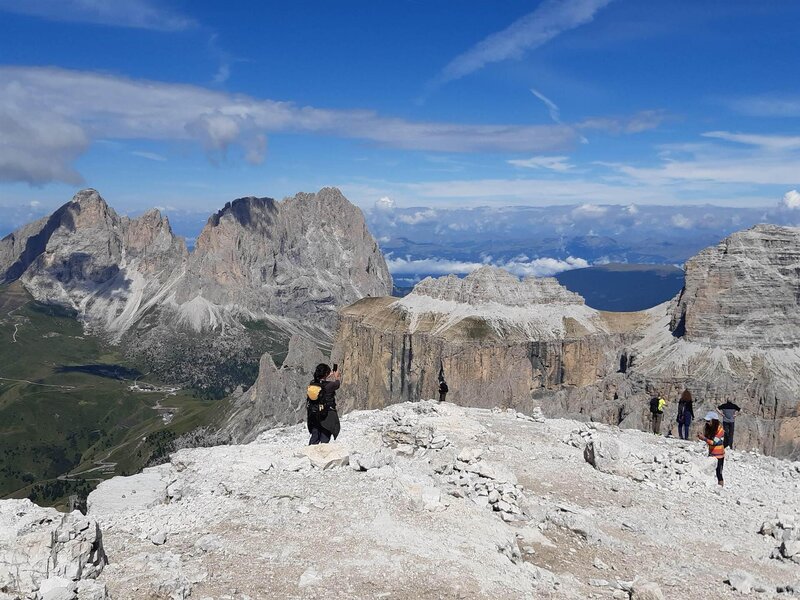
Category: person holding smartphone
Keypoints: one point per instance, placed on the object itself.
(322, 416)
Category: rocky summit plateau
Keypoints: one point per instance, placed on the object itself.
(423, 500)
(261, 271)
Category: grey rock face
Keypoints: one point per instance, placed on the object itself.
(109, 269)
(278, 397)
(42, 550)
(492, 353)
(285, 266)
(301, 258)
(490, 284)
(524, 349)
(743, 292)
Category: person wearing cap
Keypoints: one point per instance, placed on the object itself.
(714, 436)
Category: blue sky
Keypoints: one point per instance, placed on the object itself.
(186, 105)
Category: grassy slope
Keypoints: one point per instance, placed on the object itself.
(55, 423)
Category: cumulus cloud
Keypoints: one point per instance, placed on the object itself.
(681, 222)
(791, 199)
(62, 118)
(552, 163)
(385, 204)
(589, 211)
(418, 217)
(520, 266)
(140, 14)
(550, 19)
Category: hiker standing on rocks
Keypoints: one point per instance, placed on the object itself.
(657, 404)
(714, 435)
(685, 414)
(323, 419)
(729, 412)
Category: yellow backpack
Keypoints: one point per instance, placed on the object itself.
(314, 392)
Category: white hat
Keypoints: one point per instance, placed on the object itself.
(712, 416)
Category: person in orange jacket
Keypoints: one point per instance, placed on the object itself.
(714, 436)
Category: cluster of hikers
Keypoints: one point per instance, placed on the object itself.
(717, 432)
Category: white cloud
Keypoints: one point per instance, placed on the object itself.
(681, 222)
(539, 267)
(642, 121)
(590, 211)
(553, 163)
(552, 107)
(47, 120)
(550, 19)
(791, 199)
(768, 142)
(149, 155)
(418, 217)
(385, 204)
(140, 14)
(632, 209)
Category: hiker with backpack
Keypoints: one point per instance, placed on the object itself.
(657, 404)
(323, 418)
(685, 414)
(714, 436)
(443, 389)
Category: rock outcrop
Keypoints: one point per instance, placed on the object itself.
(261, 271)
(278, 396)
(498, 340)
(46, 554)
(441, 501)
(732, 334)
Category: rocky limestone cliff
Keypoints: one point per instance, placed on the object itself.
(744, 292)
(278, 396)
(574, 361)
(109, 269)
(261, 272)
(301, 258)
(499, 340)
(426, 501)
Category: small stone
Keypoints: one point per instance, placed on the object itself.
(598, 583)
(159, 538)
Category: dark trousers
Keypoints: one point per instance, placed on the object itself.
(683, 428)
(728, 427)
(720, 464)
(442, 396)
(319, 435)
(657, 418)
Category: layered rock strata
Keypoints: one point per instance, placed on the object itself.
(498, 340)
(732, 334)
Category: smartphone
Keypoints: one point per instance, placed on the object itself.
(335, 367)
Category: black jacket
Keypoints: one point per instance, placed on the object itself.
(329, 417)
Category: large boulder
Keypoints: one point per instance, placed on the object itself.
(44, 551)
(327, 456)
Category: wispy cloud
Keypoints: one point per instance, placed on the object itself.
(767, 105)
(149, 155)
(768, 142)
(549, 20)
(552, 163)
(140, 14)
(552, 107)
(641, 121)
(47, 120)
